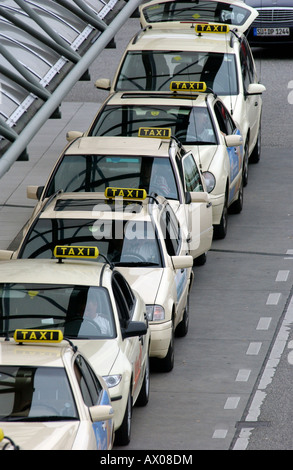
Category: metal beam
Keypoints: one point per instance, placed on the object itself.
(73, 76)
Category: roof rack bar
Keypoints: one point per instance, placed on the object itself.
(24, 72)
(30, 12)
(24, 83)
(7, 132)
(84, 13)
(67, 52)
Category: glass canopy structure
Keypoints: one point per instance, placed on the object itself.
(41, 42)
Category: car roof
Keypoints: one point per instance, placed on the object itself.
(159, 98)
(38, 355)
(51, 271)
(71, 202)
(168, 39)
(197, 17)
(137, 146)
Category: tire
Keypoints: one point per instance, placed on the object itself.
(237, 206)
(182, 328)
(167, 363)
(144, 394)
(255, 154)
(123, 434)
(200, 260)
(220, 231)
(245, 165)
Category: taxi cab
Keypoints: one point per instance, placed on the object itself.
(94, 307)
(51, 399)
(201, 121)
(156, 162)
(198, 50)
(139, 235)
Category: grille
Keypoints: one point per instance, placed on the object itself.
(274, 15)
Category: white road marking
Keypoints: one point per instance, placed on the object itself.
(273, 298)
(282, 276)
(253, 348)
(264, 323)
(243, 375)
(231, 403)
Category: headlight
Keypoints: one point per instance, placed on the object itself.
(210, 180)
(155, 312)
(112, 380)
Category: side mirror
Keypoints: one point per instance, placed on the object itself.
(101, 413)
(233, 140)
(34, 192)
(72, 135)
(182, 262)
(255, 89)
(5, 255)
(135, 328)
(103, 84)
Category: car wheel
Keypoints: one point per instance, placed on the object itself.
(143, 397)
(182, 328)
(122, 435)
(237, 206)
(200, 260)
(255, 154)
(245, 165)
(167, 363)
(220, 231)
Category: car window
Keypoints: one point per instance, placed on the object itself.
(226, 124)
(35, 393)
(171, 230)
(96, 172)
(247, 64)
(184, 121)
(124, 300)
(78, 311)
(191, 173)
(189, 11)
(90, 386)
(154, 70)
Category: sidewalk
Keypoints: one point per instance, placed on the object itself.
(44, 149)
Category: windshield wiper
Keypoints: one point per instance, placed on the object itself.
(136, 263)
(39, 418)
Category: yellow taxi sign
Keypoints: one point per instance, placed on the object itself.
(125, 193)
(38, 336)
(1, 435)
(157, 132)
(85, 252)
(212, 28)
(178, 85)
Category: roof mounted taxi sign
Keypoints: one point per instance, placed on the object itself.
(38, 336)
(84, 252)
(157, 132)
(125, 193)
(178, 85)
(212, 28)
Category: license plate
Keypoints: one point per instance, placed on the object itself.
(271, 31)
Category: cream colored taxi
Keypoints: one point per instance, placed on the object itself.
(51, 399)
(94, 307)
(201, 121)
(195, 49)
(141, 237)
(155, 162)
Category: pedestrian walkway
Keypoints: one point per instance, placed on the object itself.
(44, 149)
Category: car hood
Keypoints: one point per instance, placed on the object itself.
(41, 436)
(145, 281)
(203, 154)
(102, 354)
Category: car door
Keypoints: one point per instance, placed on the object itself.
(228, 127)
(252, 102)
(171, 229)
(135, 348)
(198, 208)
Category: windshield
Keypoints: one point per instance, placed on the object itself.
(78, 311)
(79, 173)
(154, 70)
(34, 393)
(214, 12)
(191, 125)
(120, 241)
